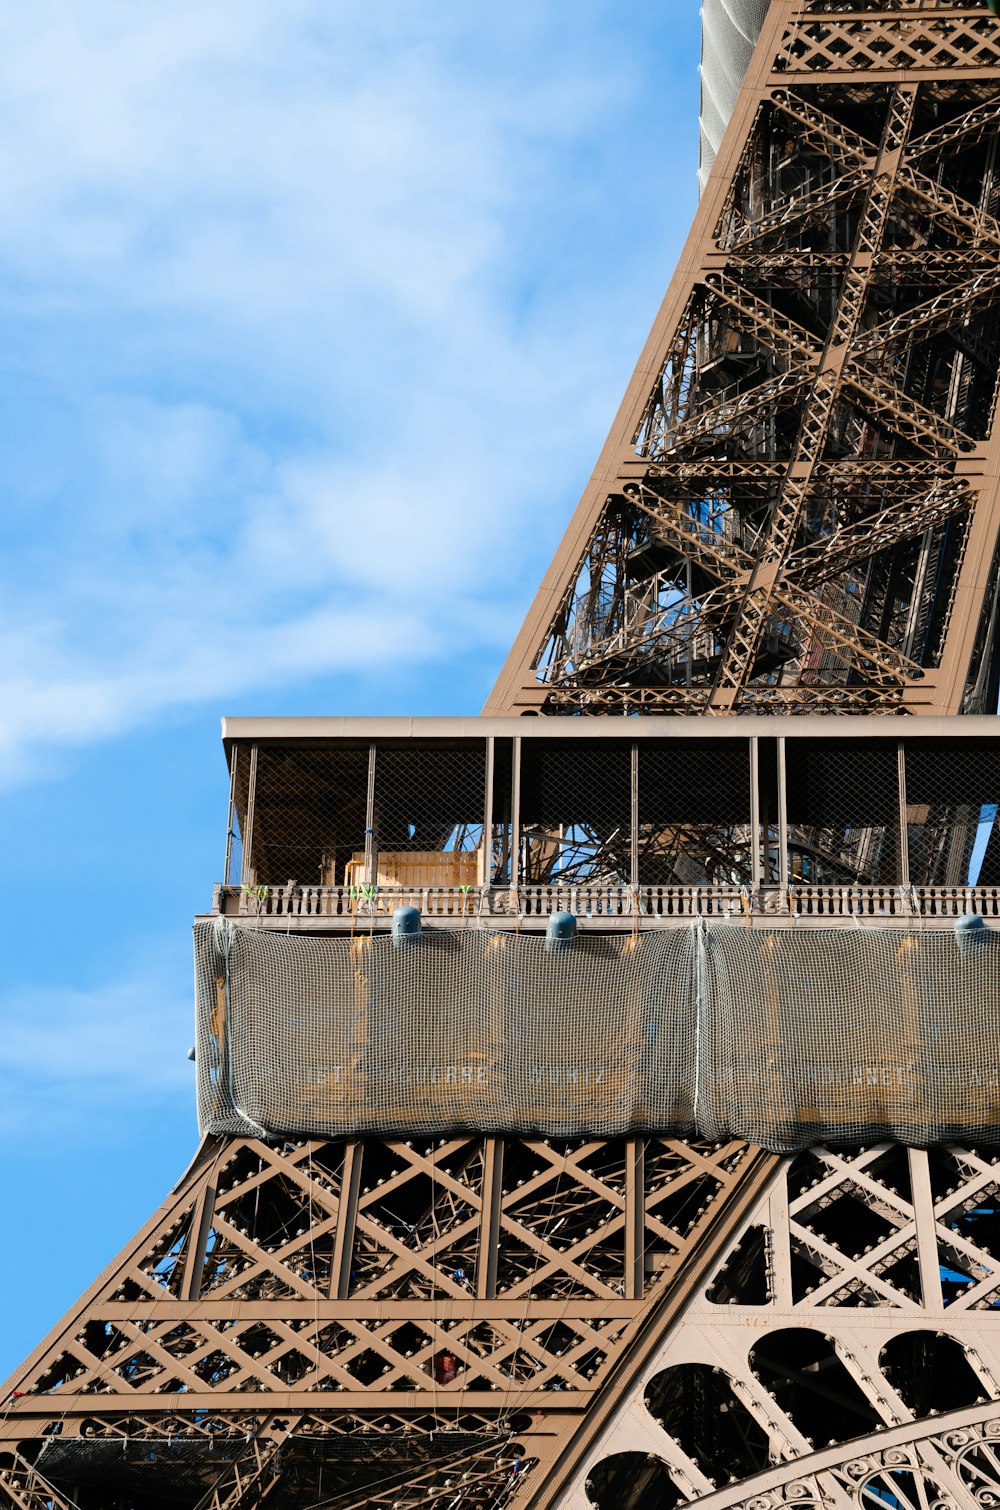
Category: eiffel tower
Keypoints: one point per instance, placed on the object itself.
(795, 513)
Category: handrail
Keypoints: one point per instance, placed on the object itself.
(605, 901)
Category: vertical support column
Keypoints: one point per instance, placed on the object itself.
(756, 867)
(370, 819)
(515, 814)
(903, 846)
(489, 1219)
(782, 817)
(486, 864)
(246, 871)
(231, 816)
(928, 1262)
(347, 1218)
(201, 1226)
(780, 1248)
(634, 819)
(635, 1217)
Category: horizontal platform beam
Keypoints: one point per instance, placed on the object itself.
(653, 726)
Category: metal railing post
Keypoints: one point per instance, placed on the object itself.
(515, 813)
(782, 817)
(903, 846)
(231, 817)
(486, 875)
(370, 818)
(634, 819)
(246, 871)
(756, 868)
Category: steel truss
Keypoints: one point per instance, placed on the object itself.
(483, 1322)
(367, 1323)
(845, 1352)
(787, 516)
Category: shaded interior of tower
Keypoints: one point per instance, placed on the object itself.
(736, 424)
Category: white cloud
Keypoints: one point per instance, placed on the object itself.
(299, 336)
(90, 1058)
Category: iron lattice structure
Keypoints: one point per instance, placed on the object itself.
(369, 1323)
(796, 507)
(795, 511)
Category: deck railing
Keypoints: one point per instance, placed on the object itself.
(607, 904)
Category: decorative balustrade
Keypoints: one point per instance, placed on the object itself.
(606, 906)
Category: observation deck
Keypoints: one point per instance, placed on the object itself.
(771, 928)
(628, 824)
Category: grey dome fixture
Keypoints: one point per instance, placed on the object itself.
(560, 931)
(406, 927)
(970, 933)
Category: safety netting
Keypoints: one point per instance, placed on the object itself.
(783, 1037)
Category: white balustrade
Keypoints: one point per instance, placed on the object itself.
(608, 903)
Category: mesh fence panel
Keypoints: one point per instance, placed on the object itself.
(238, 784)
(843, 812)
(308, 814)
(466, 1030)
(500, 857)
(693, 830)
(429, 810)
(783, 1038)
(951, 809)
(575, 811)
(614, 812)
(849, 1033)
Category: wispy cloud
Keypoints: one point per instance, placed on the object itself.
(91, 1059)
(299, 335)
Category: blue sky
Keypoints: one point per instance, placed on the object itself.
(315, 316)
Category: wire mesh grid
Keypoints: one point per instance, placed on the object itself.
(693, 813)
(309, 813)
(312, 825)
(575, 812)
(428, 815)
(781, 1038)
(239, 779)
(842, 809)
(952, 792)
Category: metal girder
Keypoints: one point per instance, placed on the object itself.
(734, 415)
(744, 639)
(835, 306)
(822, 559)
(942, 312)
(832, 137)
(977, 124)
(903, 415)
(501, 1287)
(797, 212)
(782, 337)
(846, 1352)
(727, 560)
(27, 1489)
